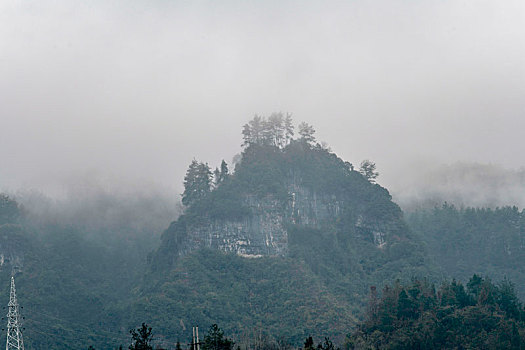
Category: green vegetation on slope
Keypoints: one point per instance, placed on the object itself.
(490, 242)
(319, 288)
(69, 283)
(85, 282)
(277, 296)
(416, 316)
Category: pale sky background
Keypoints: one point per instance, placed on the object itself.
(128, 92)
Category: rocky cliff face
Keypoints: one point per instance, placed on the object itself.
(311, 209)
(264, 231)
(274, 191)
(261, 233)
(312, 212)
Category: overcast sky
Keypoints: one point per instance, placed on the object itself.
(131, 91)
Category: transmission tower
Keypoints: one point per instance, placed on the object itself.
(14, 335)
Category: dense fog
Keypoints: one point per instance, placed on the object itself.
(462, 184)
(131, 92)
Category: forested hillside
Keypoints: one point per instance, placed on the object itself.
(483, 315)
(467, 241)
(282, 245)
(72, 277)
(338, 233)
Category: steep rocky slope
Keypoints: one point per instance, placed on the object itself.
(287, 245)
(251, 213)
(303, 216)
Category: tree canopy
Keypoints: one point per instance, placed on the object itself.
(197, 182)
(9, 210)
(416, 316)
(307, 133)
(276, 130)
(141, 338)
(215, 340)
(368, 170)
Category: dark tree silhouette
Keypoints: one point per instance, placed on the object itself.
(215, 340)
(368, 170)
(276, 130)
(307, 133)
(222, 174)
(141, 338)
(309, 344)
(197, 183)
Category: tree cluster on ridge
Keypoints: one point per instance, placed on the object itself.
(276, 131)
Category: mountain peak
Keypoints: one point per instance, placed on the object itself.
(280, 185)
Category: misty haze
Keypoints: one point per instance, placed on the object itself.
(282, 175)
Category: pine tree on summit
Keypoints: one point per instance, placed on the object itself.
(197, 182)
(288, 128)
(307, 133)
(224, 170)
(221, 175)
(276, 130)
(253, 132)
(368, 170)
